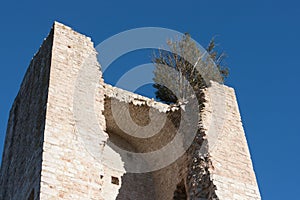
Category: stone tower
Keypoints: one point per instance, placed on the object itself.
(47, 155)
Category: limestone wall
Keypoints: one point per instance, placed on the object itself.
(232, 171)
(158, 184)
(22, 157)
(68, 169)
(62, 128)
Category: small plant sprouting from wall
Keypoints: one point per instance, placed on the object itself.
(186, 58)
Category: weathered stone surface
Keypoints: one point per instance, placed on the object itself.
(22, 156)
(62, 127)
(232, 171)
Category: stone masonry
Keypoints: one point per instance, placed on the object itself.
(52, 151)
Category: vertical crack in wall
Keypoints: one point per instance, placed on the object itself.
(199, 181)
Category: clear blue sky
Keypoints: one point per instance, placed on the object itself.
(261, 38)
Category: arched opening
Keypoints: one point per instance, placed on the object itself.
(180, 192)
(159, 184)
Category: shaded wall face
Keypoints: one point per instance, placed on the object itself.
(129, 185)
(22, 157)
(160, 184)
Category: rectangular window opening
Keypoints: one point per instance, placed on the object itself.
(115, 180)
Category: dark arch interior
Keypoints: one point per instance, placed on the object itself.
(180, 192)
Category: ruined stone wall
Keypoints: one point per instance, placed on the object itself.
(232, 171)
(22, 157)
(62, 127)
(68, 169)
(163, 182)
